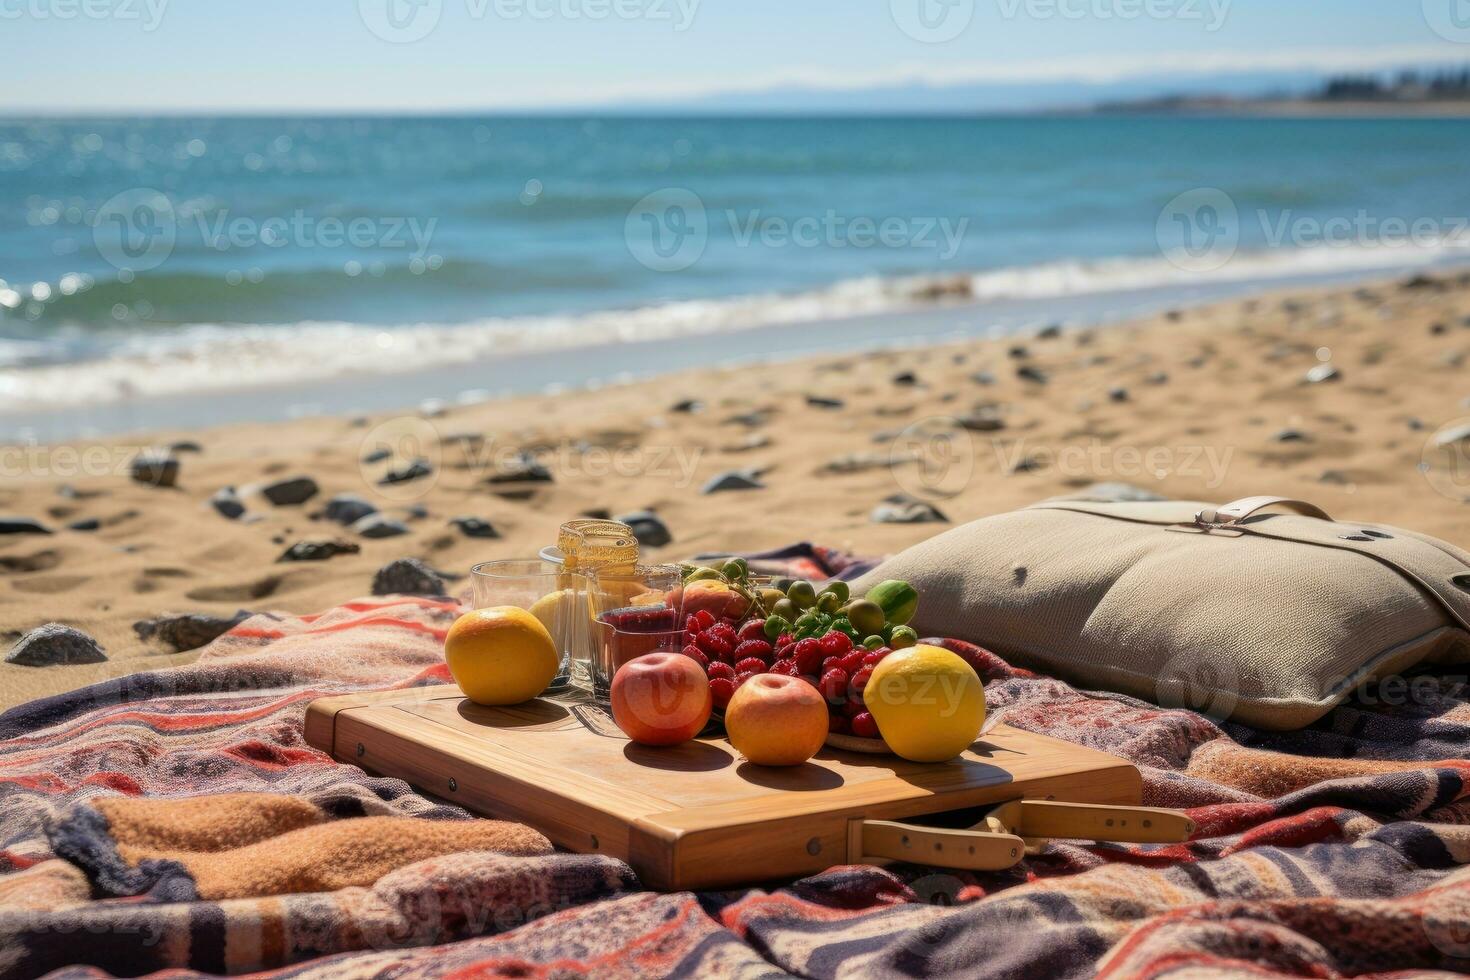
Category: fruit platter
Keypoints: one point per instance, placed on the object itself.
(792, 664)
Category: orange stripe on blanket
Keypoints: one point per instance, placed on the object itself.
(256, 633)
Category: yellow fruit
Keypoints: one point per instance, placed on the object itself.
(928, 703)
(555, 610)
(502, 655)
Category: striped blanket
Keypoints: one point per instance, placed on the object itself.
(1336, 851)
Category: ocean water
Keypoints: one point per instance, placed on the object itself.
(155, 257)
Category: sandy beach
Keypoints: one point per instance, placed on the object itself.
(1211, 403)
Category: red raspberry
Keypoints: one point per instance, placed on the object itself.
(691, 625)
(722, 689)
(852, 662)
(739, 681)
(831, 663)
(706, 619)
(725, 632)
(854, 708)
(785, 640)
(750, 665)
(787, 667)
(836, 644)
(872, 659)
(759, 649)
(837, 725)
(864, 726)
(787, 652)
(754, 629)
(697, 655)
(720, 669)
(717, 647)
(834, 686)
(860, 681)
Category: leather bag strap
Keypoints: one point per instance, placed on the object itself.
(1239, 510)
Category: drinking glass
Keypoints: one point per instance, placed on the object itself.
(554, 595)
(636, 609)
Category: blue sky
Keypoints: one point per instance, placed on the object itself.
(141, 55)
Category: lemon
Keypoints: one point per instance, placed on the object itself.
(555, 610)
(928, 703)
(502, 655)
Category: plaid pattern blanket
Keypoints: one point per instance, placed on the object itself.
(1337, 851)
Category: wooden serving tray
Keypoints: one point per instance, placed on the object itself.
(694, 816)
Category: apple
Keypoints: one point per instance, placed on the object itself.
(776, 720)
(661, 699)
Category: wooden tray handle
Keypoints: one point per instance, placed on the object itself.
(967, 850)
(1044, 819)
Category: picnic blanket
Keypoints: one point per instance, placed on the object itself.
(178, 820)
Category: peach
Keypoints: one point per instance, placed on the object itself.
(776, 720)
(661, 699)
(722, 601)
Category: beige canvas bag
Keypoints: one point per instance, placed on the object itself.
(1239, 611)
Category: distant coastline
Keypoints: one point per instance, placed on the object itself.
(1443, 93)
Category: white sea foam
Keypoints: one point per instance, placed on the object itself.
(40, 374)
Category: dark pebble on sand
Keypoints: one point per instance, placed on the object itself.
(155, 470)
(379, 526)
(407, 576)
(296, 490)
(377, 456)
(318, 550)
(906, 379)
(733, 480)
(1118, 394)
(185, 446)
(474, 527)
(227, 502)
(983, 378)
(416, 470)
(687, 406)
(85, 524)
(22, 525)
(821, 401)
(650, 531)
(1291, 435)
(188, 631)
(54, 644)
(348, 508)
(525, 469)
(981, 422)
(903, 509)
(1032, 374)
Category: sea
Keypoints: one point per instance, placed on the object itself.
(161, 270)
